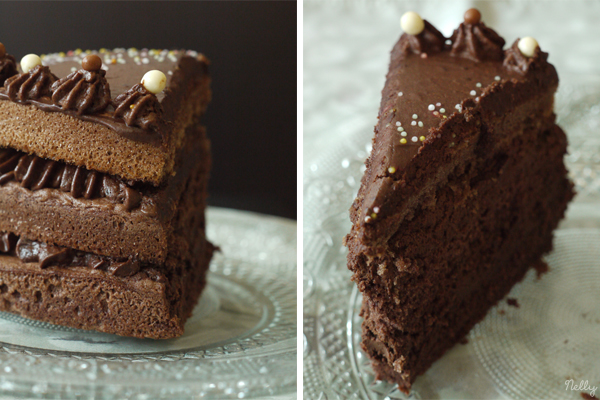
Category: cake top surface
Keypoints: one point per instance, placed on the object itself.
(134, 92)
(433, 80)
(124, 67)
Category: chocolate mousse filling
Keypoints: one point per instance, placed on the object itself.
(48, 255)
(35, 173)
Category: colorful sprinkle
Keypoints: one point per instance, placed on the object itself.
(422, 138)
(373, 216)
(403, 141)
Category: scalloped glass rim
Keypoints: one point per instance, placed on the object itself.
(259, 257)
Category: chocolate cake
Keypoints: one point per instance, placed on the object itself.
(104, 168)
(461, 193)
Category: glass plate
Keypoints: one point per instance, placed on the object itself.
(239, 343)
(514, 353)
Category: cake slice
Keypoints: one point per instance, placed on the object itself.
(46, 110)
(103, 194)
(462, 190)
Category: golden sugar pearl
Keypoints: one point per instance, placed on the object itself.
(154, 81)
(29, 62)
(391, 170)
(422, 138)
(403, 141)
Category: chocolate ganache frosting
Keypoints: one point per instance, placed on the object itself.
(430, 40)
(8, 65)
(138, 107)
(47, 255)
(31, 85)
(475, 41)
(37, 173)
(515, 61)
(86, 90)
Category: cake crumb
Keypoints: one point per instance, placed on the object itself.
(540, 268)
(512, 302)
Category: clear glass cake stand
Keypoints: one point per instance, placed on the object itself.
(239, 343)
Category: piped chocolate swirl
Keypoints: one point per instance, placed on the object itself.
(87, 91)
(31, 85)
(8, 65)
(48, 255)
(35, 173)
(138, 107)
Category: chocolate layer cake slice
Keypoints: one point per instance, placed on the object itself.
(103, 193)
(462, 190)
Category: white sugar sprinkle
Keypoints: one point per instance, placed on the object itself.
(478, 84)
(473, 93)
(477, 99)
(403, 134)
(400, 129)
(431, 107)
(414, 138)
(375, 210)
(415, 116)
(413, 123)
(438, 104)
(398, 123)
(420, 124)
(497, 78)
(442, 110)
(458, 107)
(400, 94)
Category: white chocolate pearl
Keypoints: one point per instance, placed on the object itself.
(154, 81)
(29, 62)
(412, 23)
(527, 46)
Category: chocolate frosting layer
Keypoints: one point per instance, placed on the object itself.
(32, 85)
(8, 67)
(84, 91)
(430, 40)
(139, 107)
(47, 255)
(477, 42)
(37, 173)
